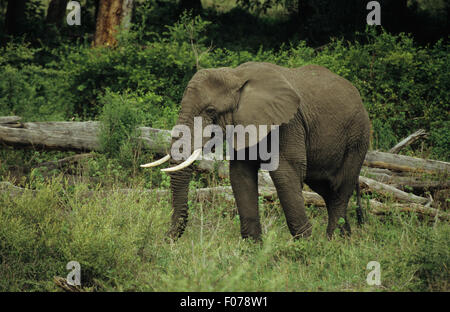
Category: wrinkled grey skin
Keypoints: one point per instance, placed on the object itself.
(324, 137)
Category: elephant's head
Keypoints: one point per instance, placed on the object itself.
(251, 94)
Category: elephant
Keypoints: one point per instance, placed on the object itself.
(323, 129)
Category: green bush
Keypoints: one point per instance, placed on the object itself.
(119, 121)
(30, 90)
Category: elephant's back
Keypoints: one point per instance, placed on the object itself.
(324, 92)
(334, 113)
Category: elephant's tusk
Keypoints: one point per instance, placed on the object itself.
(156, 163)
(186, 163)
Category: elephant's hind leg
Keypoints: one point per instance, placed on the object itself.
(288, 183)
(339, 195)
(337, 213)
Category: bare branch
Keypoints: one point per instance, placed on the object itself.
(408, 141)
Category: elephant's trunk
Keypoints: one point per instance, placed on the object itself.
(179, 185)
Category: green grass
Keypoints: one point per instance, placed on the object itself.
(119, 240)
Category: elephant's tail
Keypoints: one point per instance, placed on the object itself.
(359, 210)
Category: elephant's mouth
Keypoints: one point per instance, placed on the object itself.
(193, 157)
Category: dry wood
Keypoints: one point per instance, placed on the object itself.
(407, 183)
(9, 119)
(66, 135)
(75, 135)
(377, 170)
(378, 208)
(11, 189)
(58, 164)
(63, 284)
(408, 141)
(201, 194)
(390, 190)
(418, 186)
(404, 163)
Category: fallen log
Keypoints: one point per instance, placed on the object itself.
(66, 135)
(11, 189)
(408, 141)
(84, 136)
(395, 162)
(389, 190)
(379, 176)
(267, 192)
(417, 186)
(59, 164)
(75, 135)
(407, 183)
(378, 208)
(9, 119)
(377, 170)
(226, 193)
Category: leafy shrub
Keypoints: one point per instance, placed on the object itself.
(119, 121)
(30, 90)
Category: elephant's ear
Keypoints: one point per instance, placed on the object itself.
(267, 98)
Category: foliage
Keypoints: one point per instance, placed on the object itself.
(433, 258)
(118, 239)
(30, 90)
(119, 121)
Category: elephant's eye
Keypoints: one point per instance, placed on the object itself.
(211, 111)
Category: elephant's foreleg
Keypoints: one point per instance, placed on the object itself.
(244, 181)
(288, 183)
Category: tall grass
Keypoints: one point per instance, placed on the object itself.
(119, 240)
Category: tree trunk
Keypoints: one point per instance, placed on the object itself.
(56, 12)
(111, 15)
(15, 17)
